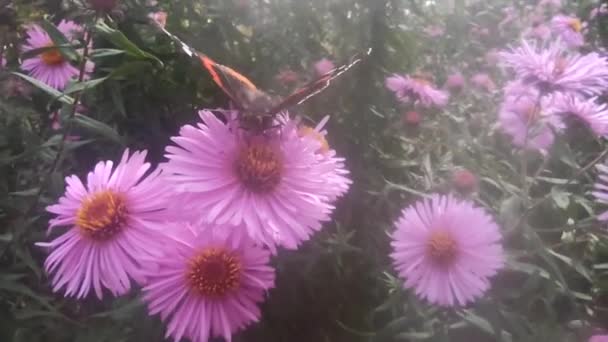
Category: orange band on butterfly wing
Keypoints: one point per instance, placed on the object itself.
(210, 65)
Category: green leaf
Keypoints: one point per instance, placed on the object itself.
(117, 98)
(561, 198)
(414, 336)
(577, 266)
(60, 40)
(25, 193)
(81, 86)
(56, 94)
(126, 70)
(97, 127)
(101, 53)
(121, 41)
(9, 283)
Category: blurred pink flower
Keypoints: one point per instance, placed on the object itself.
(552, 68)
(510, 14)
(483, 81)
(411, 118)
(50, 66)
(2, 62)
(464, 181)
(455, 81)
(56, 125)
(525, 120)
(594, 115)
(434, 31)
(417, 90)
(160, 17)
(446, 249)
(599, 338)
(538, 31)
(598, 11)
(568, 29)
(323, 66)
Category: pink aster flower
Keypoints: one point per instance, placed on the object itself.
(568, 29)
(553, 69)
(160, 17)
(454, 82)
(588, 111)
(598, 11)
(510, 15)
(206, 285)
(483, 81)
(50, 66)
(338, 182)
(539, 31)
(446, 250)
(524, 119)
(280, 186)
(417, 90)
(434, 31)
(113, 222)
(598, 338)
(323, 66)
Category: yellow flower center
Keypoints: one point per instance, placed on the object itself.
(259, 167)
(575, 25)
(441, 247)
(51, 56)
(311, 132)
(214, 272)
(102, 215)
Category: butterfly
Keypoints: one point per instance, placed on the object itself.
(257, 108)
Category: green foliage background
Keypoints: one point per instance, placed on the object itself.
(339, 286)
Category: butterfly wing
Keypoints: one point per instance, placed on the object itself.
(318, 85)
(238, 87)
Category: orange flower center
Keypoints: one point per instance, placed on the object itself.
(441, 247)
(214, 272)
(422, 81)
(102, 215)
(51, 56)
(259, 167)
(575, 25)
(311, 132)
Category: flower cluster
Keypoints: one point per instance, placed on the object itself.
(553, 86)
(198, 231)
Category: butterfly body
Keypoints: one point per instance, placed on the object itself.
(257, 109)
